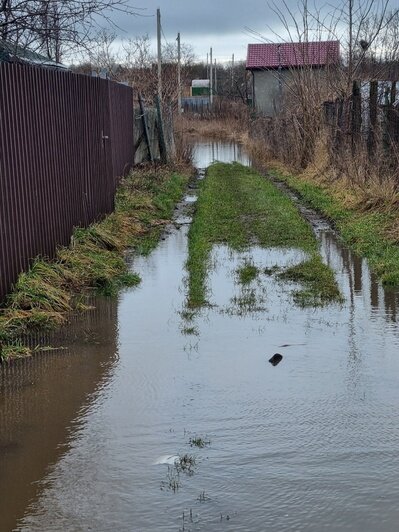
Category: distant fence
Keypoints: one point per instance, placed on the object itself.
(196, 104)
(370, 118)
(64, 140)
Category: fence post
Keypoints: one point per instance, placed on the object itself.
(162, 143)
(393, 116)
(339, 113)
(145, 127)
(356, 113)
(373, 106)
(393, 92)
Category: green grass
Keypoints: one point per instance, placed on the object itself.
(247, 273)
(13, 349)
(199, 441)
(44, 295)
(363, 232)
(238, 207)
(317, 279)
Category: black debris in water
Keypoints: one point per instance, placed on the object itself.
(276, 359)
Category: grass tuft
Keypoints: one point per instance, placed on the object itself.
(319, 284)
(199, 441)
(247, 273)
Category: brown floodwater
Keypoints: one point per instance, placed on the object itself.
(89, 435)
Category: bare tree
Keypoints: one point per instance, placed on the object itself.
(55, 27)
(102, 56)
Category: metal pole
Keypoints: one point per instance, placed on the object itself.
(216, 78)
(232, 72)
(178, 74)
(159, 55)
(211, 78)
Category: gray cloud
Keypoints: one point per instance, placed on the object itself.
(219, 23)
(222, 24)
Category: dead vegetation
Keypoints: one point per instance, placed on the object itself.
(231, 122)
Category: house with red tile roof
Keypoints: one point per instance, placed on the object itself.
(274, 64)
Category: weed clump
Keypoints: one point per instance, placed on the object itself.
(198, 441)
(247, 273)
(186, 464)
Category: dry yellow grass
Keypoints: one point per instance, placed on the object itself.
(227, 128)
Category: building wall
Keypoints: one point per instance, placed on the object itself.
(270, 86)
(268, 93)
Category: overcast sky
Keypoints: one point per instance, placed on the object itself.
(229, 25)
(222, 24)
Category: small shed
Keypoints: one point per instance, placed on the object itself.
(272, 65)
(200, 87)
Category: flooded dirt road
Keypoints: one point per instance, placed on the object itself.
(89, 436)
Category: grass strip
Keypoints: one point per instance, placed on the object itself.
(365, 232)
(238, 207)
(44, 295)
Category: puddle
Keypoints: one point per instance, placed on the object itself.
(207, 152)
(308, 445)
(190, 199)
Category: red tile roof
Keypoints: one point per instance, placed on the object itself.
(273, 55)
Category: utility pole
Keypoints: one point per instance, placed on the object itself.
(162, 142)
(232, 73)
(211, 78)
(178, 74)
(350, 65)
(216, 78)
(159, 55)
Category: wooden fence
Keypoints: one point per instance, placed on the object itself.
(64, 140)
(368, 119)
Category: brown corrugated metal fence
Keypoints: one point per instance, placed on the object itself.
(64, 140)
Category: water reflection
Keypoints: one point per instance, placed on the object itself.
(43, 401)
(207, 152)
(358, 282)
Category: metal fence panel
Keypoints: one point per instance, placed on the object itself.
(64, 141)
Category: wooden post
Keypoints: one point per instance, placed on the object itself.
(161, 133)
(373, 102)
(339, 113)
(393, 92)
(356, 113)
(178, 74)
(145, 127)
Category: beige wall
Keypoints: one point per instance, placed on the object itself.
(267, 90)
